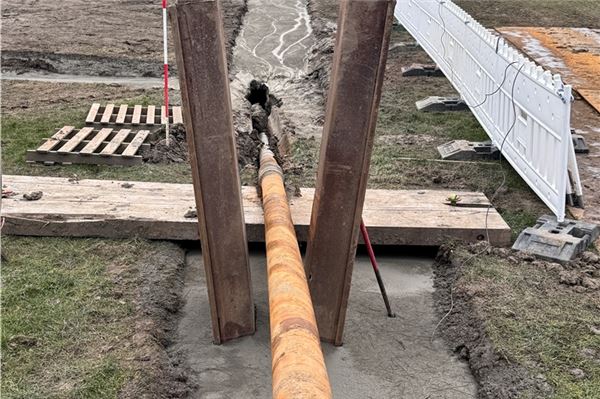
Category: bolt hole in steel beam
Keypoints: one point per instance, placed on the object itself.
(358, 67)
(203, 76)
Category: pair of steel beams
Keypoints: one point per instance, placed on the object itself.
(351, 113)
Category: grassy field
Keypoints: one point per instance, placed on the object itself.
(536, 322)
(62, 317)
(79, 319)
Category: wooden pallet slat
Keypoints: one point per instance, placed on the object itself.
(163, 115)
(151, 115)
(96, 141)
(91, 117)
(135, 144)
(115, 142)
(122, 114)
(137, 115)
(55, 139)
(54, 157)
(133, 115)
(75, 140)
(177, 116)
(108, 111)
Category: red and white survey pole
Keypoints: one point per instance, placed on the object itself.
(166, 68)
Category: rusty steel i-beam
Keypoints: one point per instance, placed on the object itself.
(359, 64)
(201, 61)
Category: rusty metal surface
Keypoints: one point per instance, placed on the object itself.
(298, 365)
(359, 63)
(204, 82)
(572, 52)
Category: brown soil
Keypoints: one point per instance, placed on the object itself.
(156, 282)
(38, 97)
(175, 152)
(463, 324)
(115, 38)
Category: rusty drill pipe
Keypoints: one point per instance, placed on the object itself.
(298, 365)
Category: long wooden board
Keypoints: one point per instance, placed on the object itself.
(105, 208)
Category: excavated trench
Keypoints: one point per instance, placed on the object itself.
(274, 91)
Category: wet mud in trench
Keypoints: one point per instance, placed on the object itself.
(274, 46)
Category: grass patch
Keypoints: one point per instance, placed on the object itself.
(64, 318)
(536, 322)
(22, 132)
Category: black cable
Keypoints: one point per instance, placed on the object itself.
(505, 73)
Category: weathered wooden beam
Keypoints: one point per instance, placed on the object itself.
(358, 67)
(203, 78)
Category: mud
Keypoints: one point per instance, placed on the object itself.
(463, 325)
(157, 283)
(175, 152)
(113, 39)
(464, 330)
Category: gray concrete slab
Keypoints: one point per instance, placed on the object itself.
(381, 357)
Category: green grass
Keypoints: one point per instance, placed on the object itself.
(25, 131)
(63, 318)
(534, 321)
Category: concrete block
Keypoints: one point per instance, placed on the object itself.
(579, 143)
(441, 104)
(559, 242)
(422, 70)
(463, 150)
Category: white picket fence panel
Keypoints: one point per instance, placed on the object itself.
(532, 127)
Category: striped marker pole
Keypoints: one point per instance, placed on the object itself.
(166, 68)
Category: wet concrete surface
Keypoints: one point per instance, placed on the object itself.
(381, 358)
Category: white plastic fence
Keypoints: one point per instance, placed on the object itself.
(524, 109)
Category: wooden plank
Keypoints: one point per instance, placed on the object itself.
(135, 144)
(348, 134)
(150, 115)
(55, 139)
(108, 111)
(202, 68)
(53, 157)
(163, 115)
(122, 114)
(91, 116)
(137, 114)
(96, 141)
(115, 142)
(177, 116)
(103, 208)
(75, 140)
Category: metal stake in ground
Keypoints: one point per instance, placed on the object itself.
(166, 68)
(204, 81)
(365, 236)
(357, 76)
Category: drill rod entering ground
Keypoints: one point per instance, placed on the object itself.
(298, 365)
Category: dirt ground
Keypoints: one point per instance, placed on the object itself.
(502, 359)
(510, 316)
(114, 38)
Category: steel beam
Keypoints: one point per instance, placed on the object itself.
(201, 61)
(358, 67)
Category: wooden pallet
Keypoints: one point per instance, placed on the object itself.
(134, 115)
(107, 208)
(105, 146)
